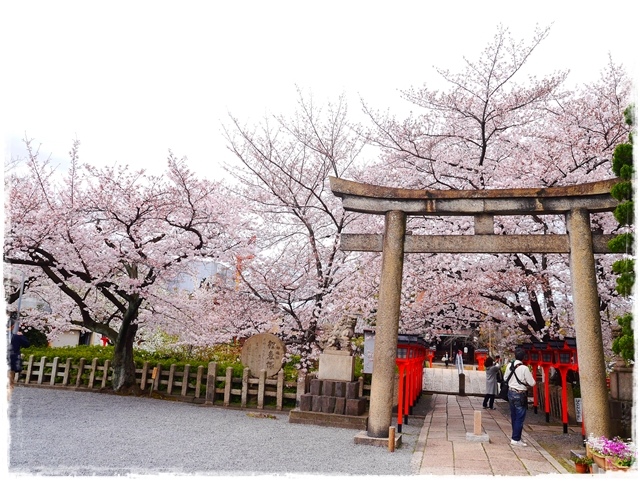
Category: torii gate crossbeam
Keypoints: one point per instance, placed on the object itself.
(575, 203)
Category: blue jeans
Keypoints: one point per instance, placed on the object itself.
(518, 408)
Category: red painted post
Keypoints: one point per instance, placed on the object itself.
(565, 414)
(400, 392)
(565, 360)
(410, 384)
(535, 361)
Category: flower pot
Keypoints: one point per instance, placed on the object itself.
(599, 460)
(614, 467)
(582, 468)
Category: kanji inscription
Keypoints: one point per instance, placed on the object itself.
(263, 351)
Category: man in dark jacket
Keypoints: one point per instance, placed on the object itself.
(16, 342)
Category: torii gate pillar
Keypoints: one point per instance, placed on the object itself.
(588, 326)
(385, 348)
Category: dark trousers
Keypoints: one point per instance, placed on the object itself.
(518, 408)
(488, 400)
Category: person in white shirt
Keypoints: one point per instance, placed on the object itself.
(459, 363)
(519, 378)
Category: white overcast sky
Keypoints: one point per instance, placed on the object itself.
(133, 79)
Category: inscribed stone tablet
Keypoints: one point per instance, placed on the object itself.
(263, 351)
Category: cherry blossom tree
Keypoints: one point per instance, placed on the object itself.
(496, 128)
(282, 167)
(213, 313)
(109, 241)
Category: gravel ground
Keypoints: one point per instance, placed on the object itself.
(69, 433)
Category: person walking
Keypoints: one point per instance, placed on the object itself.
(459, 363)
(519, 378)
(14, 357)
(445, 358)
(491, 386)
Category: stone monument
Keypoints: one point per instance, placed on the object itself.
(336, 361)
(334, 398)
(263, 351)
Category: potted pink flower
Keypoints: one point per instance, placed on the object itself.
(619, 453)
(611, 454)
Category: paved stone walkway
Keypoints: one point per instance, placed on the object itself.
(443, 447)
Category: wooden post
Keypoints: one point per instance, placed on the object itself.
(261, 383)
(392, 439)
(80, 371)
(54, 371)
(105, 372)
(29, 369)
(156, 379)
(144, 375)
(67, 372)
(199, 380)
(172, 372)
(227, 386)
(92, 374)
(185, 379)
(43, 363)
(245, 387)
(210, 393)
(280, 390)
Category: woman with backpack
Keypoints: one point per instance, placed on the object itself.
(491, 386)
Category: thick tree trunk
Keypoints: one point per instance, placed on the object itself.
(124, 368)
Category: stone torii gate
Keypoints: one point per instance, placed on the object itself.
(574, 202)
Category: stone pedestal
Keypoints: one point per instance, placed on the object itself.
(622, 383)
(332, 403)
(621, 401)
(336, 365)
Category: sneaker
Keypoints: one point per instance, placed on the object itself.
(521, 444)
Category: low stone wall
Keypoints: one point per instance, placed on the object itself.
(443, 380)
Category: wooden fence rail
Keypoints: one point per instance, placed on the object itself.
(197, 384)
(193, 384)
